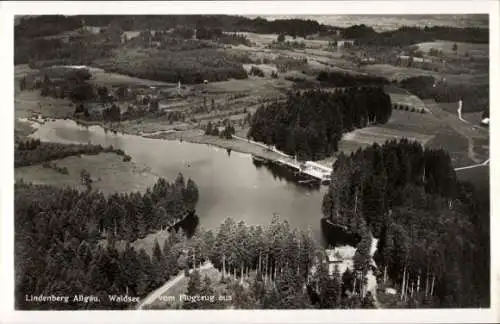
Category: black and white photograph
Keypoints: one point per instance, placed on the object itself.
(217, 161)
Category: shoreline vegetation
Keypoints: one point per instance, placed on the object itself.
(33, 151)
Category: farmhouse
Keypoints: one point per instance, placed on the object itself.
(345, 42)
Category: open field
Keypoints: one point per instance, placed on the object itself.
(266, 39)
(479, 177)
(28, 103)
(398, 73)
(255, 84)
(109, 172)
(475, 50)
(409, 100)
(103, 78)
(474, 118)
(367, 136)
(455, 144)
(147, 243)
(22, 129)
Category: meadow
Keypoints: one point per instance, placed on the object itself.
(108, 170)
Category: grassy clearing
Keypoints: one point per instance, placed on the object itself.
(426, 124)
(27, 103)
(466, 129)
(147, 243)
(481, 148)
(479, 177)
(109, 172)
(398, 73)
(262, 85)
(266, 68)
(474, 118)
(402, 124)
(22, 129)
(454, 143)
(409, 100)
(266, 39)
(103, 78)
(380, 134)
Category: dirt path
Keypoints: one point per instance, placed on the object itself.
(169, 284)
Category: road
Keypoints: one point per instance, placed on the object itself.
(169, 284)
(487, 162)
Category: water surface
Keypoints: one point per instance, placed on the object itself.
(231, 184)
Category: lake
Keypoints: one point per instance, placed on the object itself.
(231, 184)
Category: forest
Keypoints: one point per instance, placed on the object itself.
(431, 228)
(276, 260)
(344, 79)
(404, 36)
(310, 124)
(59, 250)
(57, 231)
(29, 27)
(192, 66)
(474, 97)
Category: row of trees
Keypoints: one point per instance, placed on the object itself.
(227, 132)
(431, 228)
(310, 124)
(405, 36)
(344, 79)
(299, 27)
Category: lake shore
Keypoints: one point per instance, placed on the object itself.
(191, 135)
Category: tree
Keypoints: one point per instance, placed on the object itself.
(368, 301)
(193, 289)
(86, 179)
(281, 38)
(22, 83)
(190, 194)
(159, 265)
(103, 94)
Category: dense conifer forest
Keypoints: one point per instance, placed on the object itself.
(310, 124)
(57, 231)
(406, 35)
(343, 79)
(429, 225)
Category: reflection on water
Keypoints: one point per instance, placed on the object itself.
(285, 174)
(188, 225)
(231, 184)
